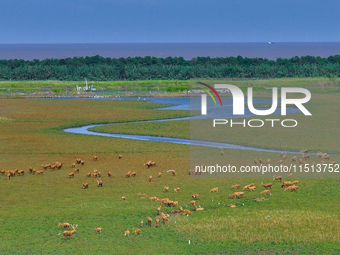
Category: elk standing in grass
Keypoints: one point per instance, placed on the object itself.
(127, 233)
(150, 221)
(70, 232)
(166, 188)
(137, 231)
(109, 174)
(69, 175)
(157, 223)
(95, 158)
(150, 178)
(85, 185)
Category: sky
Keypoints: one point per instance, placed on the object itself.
(151, 21)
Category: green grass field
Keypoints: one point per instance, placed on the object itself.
(302, 222)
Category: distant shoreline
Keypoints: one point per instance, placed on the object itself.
(163, 50)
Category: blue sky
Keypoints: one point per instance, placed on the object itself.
(134, 21)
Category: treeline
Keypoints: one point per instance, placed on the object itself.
(149, 68)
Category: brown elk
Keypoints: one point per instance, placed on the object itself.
(127, 233)
(82, 162)
(69, 175)
(236, 186)
(137, 231)
(109, 174)
(100, 183)
(2, 171)
(58, 165)
(159, 175)
(123, 198)
(150, 221)
(21, 172)
(150, 178)
(95, 158)
(70, 232)
(176, 189)
(120, 156)
(45, 166)
(268, 185)
(142, 223)
(214, 190)
(64, 225)
(85, 185)
(278, 178)
(76, 170)
(157, 223)
(40, 172)
(99, 230)
(88, 174)
(166, 188)
(78, 160)
(195, 196)
(73, 165)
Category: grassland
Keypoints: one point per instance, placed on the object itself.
(305, 222)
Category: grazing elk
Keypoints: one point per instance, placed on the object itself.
(150, 178)
(286, 184)
(267, 185)
(236, 186)
(76, 170)
(21, 172)
(195, 196)
(73, 165)
(70, 175)
(109, 174)
(85, 185)
(64, 225)
(127, 233)
(214, 190)
(45, 166)
(166, 188)
(157, 223)
(98, 230)
(176, 189)
(88, 174)
(278, 178)
(40, 172)
(95, 158)
(70, 232)
(159, 175)
(100, 183)
(123, 198)
(142, 223)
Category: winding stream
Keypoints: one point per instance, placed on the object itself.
(180, 104)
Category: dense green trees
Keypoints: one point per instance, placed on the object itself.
(147, 68)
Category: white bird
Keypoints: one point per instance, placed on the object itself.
(189, 241)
